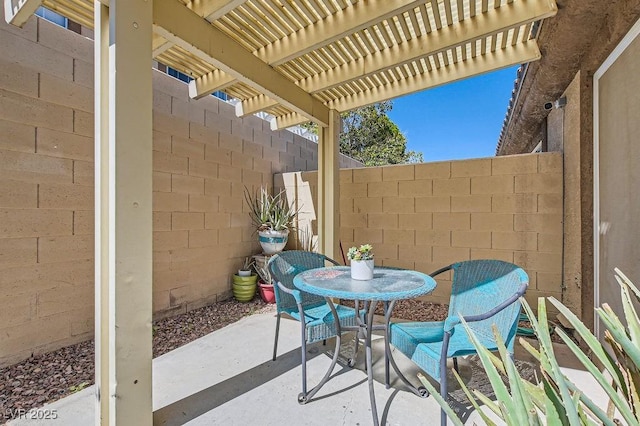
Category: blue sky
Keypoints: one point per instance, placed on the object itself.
(458, 120)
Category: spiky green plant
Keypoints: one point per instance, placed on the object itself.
(555, 400)
(269, 212)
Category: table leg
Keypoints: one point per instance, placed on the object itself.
(368, 357)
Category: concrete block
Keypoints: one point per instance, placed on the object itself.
(448, 255)
(35, 223)
(170, 240)
(83, 123)
(161, 182)
(440, 170)
(353, 190)
(368, 175)
(241, 161)
(35, 167)
(83, 173)
(550, 203)
(17, 136)
(494, 222)
(262, 166)
(353, 220)
(471, 168)
(550, 163)
(398, 205)
(184, 147)
(60, 40)
(180, 108)
(170, 202)
(414, 253)
(203, 238)
(187, 184)
(514, 164)
(18, 79)
(83, 222)
(163, 82)
(229, 173)
(35, 112)
(522, 241)
(217, 155)
(56, 300)
(18, 310)
(29, 31)
(501, 184)
(83, 73)
(548, 223)
(164, 162)
(386, 252)
(63, 196)
(505, 255)
(416, 188)
(539, 184)
(203, 203)
(170, 124)
(472, 239)
(202, 133)
(398, 173)
(229, 235)
(539, 262)
(433, 237)
(382, 189)
(161, 142)
(452, 221)
(18, 251)
(471, 203)
(15, 194)
(367, 205)
(249, 178)
(433, 204)
(64, 145)
(160, 300)
(454, 186)
(65, 248)
(217, 187)
(548, 282)
(187, 221)
(231, 205)
(381, 221)
(414, 221)
(230, 142)
(162, 221)
(217, 220)
(346, 177)
(61, 91)
(549, 243)
(398, 236)
(514, 203)
(367, 236)
(17, 49)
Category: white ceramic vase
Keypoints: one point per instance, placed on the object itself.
(273, 242)
(362, 269)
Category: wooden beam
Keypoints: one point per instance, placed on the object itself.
(123, 182)
(209, 83)
(253, 105)
(329, 187)
(285, 121)
(213, 9)
(493, 21)
(181, 26)
(159, 45)
(18, 12)
(518, 54)
(326, 31)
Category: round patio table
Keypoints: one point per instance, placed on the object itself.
(387, 285)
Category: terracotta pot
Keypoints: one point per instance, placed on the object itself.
(266, 292)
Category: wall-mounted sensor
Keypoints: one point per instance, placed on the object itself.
(560, 103)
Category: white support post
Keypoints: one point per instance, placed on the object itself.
(329, 187)
(123, 228)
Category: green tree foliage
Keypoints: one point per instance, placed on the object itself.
(369, 135)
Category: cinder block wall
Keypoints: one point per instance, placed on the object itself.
(426, 216)
(203, 158)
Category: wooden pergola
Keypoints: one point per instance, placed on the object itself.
(298, 60)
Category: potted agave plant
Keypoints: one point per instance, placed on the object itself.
(273, 217)
(265, 284)
(361, 262)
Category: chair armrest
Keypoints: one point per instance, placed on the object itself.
(454, 320)
(441, 270)
(295, 293)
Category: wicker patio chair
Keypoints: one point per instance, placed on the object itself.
(484, 293)
(314, 313)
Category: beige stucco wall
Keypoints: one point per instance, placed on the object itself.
(203, 157)
(426, 216)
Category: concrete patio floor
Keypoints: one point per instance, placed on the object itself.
(228, 378)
